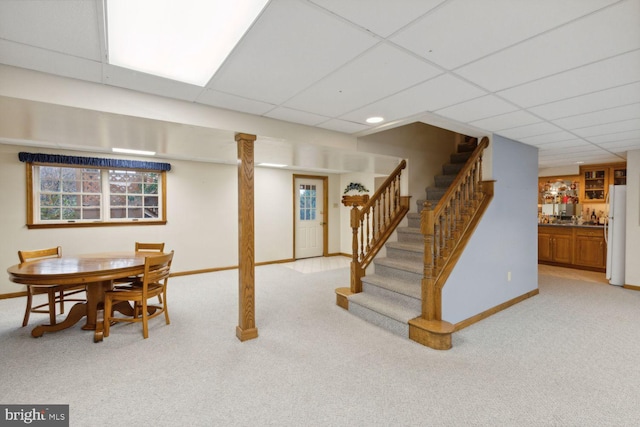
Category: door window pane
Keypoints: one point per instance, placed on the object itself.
(307, 202)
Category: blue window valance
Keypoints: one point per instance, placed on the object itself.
(92, 161)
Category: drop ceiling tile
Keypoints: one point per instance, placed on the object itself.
(553, 149)
(598, 158)
(620, 136)
(461, 31)
(47, 61)
(296, 116)
(612, 31)
(292, 45)
(609, 128)
(555, 137)
(476, 109)
(609, 73)
(69, 27)
(381, 17)
(378, 73)
(215, 98)
(529, 130)
(608, 98)
(616, 114)
(575, 155)
(142, 82)
(621, 146)
(343, 126)
(506, 121)
(429, 96)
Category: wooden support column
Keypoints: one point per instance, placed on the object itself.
(246, 328)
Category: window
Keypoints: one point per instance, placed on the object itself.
(307, 202)
(66, 195)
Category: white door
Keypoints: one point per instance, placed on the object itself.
(309, 218)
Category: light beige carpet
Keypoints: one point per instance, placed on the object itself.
(566, 357)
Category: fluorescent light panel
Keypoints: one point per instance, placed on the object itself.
(129, 151)
(184, 40)
(272, 165)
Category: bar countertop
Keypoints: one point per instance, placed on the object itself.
(570, 224)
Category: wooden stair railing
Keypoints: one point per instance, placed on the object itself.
(373, 223)
(446, 229)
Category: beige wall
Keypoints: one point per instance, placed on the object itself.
(202, 217)
(426, 147)
(632, 253)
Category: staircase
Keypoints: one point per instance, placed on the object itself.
(391, 296)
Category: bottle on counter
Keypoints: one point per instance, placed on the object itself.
(594, 219)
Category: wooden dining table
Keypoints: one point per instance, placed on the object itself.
(96, 272)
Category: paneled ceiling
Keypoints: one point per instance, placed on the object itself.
(563, 76)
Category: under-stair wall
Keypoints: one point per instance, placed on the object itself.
(504, 241)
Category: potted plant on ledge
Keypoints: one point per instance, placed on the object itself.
(352, 195)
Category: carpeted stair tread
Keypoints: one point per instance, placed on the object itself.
(403, 287)
(435, 193)
(409, 230)
(461, 157)
(384, 307)
(464, 148)
(444, 181)
(452, 168)
(409, 235)
(401, 264)
(407, 246)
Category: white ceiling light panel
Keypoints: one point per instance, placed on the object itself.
(186, 41)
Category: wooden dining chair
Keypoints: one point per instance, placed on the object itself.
(142, 247)
(57, 294)
(154, 283)
(145, 247)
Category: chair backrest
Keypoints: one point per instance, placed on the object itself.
(40, 253)
(156, 269)
(158, 247)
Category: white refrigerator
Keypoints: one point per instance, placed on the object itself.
(614, 233)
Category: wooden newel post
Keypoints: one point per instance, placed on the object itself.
(246, 328)
(428, 281)
(356, 273)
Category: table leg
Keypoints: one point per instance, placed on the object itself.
(77, 312)
(95, 302)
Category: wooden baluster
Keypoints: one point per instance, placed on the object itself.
(460, 213)
(396, 193)
(387, 209)
(379, 213)
(368, 236)
(446, 220)
(361, 229)
(356, 282)
(479, 193)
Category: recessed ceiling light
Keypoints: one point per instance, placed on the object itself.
(579, 162)
(373, 120)
(129, 151)
(272, 165)
(180, 40)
